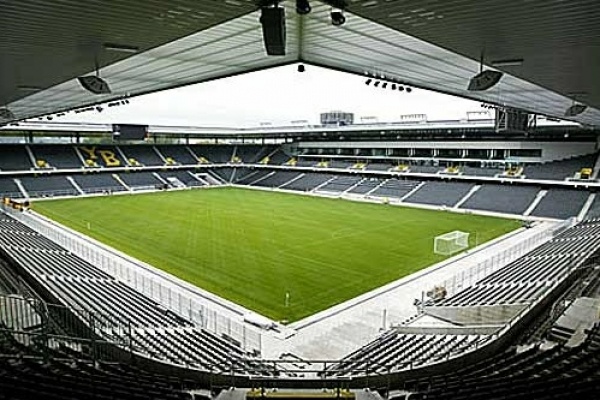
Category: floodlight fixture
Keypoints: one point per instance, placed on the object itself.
(384, 85)
(408, 90)
(376, 83)
(29, 88)
(303, 7)
(337, 17)
(509, 62)
(368, 81)
(121, 48)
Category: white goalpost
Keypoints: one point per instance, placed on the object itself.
(451, 242)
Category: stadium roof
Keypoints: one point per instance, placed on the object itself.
(464, 129)
(45, 46)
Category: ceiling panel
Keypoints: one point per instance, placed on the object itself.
(363, 46)
(229, 48)
(44, 43)
(432, 44)
(558, 40)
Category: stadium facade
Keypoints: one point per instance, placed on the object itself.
(475, 312)
(514, 319)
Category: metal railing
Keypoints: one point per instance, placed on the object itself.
(176, 297)
(32, 328)
(468, 277)
(52, 193)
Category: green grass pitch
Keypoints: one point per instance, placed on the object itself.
(253, 247)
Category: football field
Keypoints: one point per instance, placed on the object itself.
(254, 247)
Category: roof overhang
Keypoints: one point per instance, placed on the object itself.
(228, 41)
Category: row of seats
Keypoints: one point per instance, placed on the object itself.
(527, 279)
(536, 373)
(112, 302)
(531, 270)
(395, 188)
(227, 174)
(277, 179)
(40, 156)
(27, 157)
(79, 284)
(366, 186)
(26, 378)
(41, 186)
(116, 307)
(489, 295)
(440, 193)
(560, 203)
(141, 180)
(309, 181)
(508, 199)
(28, 241)
(95, 183)
(553, 170)
(575, 247)
(519, 283)
(502, 198)
(395, 351)
(61, 185)
(55, 264)
(340, 183)
(253, 176)
(193, 347)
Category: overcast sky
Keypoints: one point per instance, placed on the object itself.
(278, 96)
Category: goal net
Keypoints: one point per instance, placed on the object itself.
(451, 242)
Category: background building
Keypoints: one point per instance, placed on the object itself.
(337, 118)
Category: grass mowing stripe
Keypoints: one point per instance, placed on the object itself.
(253, 247)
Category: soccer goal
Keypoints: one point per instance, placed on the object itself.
(451, 242)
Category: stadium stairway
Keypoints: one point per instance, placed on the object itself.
(467, 196)
(291, 181)
(375, 188)
(21, 188)
(75, 185)
(355, 185)
(323, 184)
(121, 182)
(538, 198)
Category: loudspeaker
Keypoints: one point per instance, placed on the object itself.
(272, 20)
(5, 113)
(484, 80)
(575, 109)
(94, 84)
